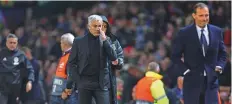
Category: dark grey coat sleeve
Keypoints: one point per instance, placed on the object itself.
(72, 65)
(109, 49)
(120, 56)
(31, 76)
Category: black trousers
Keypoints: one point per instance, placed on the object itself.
(202, 94)
(8, 99)
(32, 102)
(85, 96)
(9, 96)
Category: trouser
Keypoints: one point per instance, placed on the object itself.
(100, 96)
(8, 99)
(32, 102)
(202, 94)
(72, 99)
(143, 102)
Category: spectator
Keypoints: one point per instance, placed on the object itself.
(34, 96)
(178, 90)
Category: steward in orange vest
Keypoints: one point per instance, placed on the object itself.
(60, 78)
(150, 89)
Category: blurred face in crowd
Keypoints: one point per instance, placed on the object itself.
(28, 54)
(104, 27)
(6, 32)
(11, 43)
(201, 16)
(94, 27)
(134, 93)
(180, 82)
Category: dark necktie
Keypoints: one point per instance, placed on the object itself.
(203, 42)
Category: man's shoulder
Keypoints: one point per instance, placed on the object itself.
(214, 27)
(187, 28)
(20, 52)
(2, 50)
(184, 31)
(80, 38)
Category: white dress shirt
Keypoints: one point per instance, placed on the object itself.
(206, 33)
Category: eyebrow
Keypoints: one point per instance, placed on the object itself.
(96, 25)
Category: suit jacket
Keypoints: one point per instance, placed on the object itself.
(188, 44)
(79, 57)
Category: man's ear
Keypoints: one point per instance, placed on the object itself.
(88, 26)
(193, 15)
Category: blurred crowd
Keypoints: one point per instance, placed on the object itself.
(145, 31)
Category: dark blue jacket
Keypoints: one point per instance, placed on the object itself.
(13, 64)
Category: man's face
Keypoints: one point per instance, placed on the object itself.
(104, 27)
(11, 43)
(201, 16)
(27, 54)
(62, 45)
(94, 27)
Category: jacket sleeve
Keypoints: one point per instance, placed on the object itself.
(72, 64)
(120, 56)
(158, 92)
(221, 61)
(109, 49)
(29, 68)
(177, 51)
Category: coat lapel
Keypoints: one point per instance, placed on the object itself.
(86, 45)
(211, 37)
(101, 50)
(86, 48)
(196, 38)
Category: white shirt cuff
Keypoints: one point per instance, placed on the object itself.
(186, 71)
(219, 68)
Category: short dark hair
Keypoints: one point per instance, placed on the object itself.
(11, 36)
(199, 5)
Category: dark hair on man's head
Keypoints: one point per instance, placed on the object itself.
(199, 5)
(11, 36)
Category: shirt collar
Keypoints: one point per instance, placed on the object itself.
(153, 74)
(67, 51)
(199, 28)
(91, 36)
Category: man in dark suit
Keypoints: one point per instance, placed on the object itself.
(88, 64)
(203, 49)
